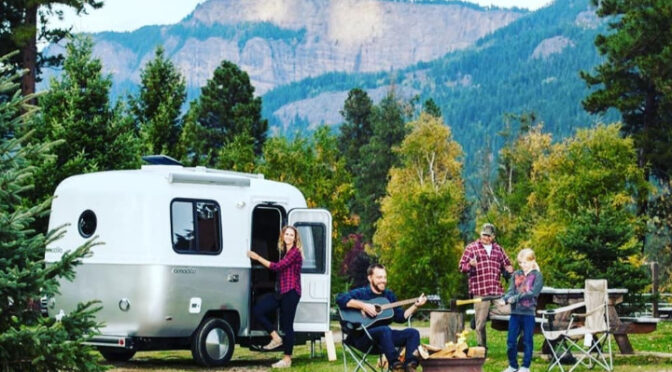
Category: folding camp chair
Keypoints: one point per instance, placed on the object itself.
(348, 331)
(588, 340)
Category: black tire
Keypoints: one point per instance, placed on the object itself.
(213, 343)
(115, 354)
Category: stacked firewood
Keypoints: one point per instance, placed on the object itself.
(451, 350)
(458, 349)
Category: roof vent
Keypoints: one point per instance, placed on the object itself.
(160, 160)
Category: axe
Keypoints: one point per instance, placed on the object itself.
(455, 303)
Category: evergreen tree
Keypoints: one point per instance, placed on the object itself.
(421, 212)
(157, 107)
(430, 107)
(77, 110)
(377, 157)
(26, 22)
(635, 78)
(356, 131)
(29, 341)
(226, 108)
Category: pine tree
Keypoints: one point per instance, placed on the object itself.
(77, 110)
(635, 77)
(377, 157)
(26, 22)
(356, 131)
(430, 107)
(29, 341)
(226, 108)
(157, 107)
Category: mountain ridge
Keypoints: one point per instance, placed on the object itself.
(282, 41)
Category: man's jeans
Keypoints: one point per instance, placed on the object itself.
(388, 339)
(516, 322)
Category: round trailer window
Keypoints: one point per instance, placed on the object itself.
(87, 223)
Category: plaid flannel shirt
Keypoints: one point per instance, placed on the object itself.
(484, 278)
(289, 271)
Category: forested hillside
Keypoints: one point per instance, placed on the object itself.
(531, 65)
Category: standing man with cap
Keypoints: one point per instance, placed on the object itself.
(483, 261)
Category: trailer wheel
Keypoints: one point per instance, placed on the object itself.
(213, 343)
(115, 354)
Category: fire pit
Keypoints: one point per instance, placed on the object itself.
(452, 365)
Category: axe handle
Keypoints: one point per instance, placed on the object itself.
(475, 300)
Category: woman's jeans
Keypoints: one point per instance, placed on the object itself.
(287, 302)
(516, 323)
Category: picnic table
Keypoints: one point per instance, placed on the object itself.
(621, 327)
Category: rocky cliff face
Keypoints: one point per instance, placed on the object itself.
(308, 38)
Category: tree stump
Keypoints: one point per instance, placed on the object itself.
(444, 327)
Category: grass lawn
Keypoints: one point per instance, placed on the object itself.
(245, 360)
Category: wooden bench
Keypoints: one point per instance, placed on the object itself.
(627, 326)
(630, 325)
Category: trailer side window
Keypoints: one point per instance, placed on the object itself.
(195, 226)
(314, 247)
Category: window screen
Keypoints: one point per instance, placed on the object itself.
(314, 247)
(195, 226)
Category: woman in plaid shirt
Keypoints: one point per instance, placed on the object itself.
(289, 274)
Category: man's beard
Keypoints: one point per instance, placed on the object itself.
(380, 287)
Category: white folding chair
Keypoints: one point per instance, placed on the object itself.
(586, 340)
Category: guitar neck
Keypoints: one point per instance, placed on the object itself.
(398, 303)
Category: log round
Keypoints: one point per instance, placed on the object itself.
(444, 327)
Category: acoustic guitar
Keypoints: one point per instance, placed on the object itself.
(384, 310)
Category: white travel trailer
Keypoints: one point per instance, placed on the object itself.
(173, 271)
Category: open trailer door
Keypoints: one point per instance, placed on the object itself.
(314, 226)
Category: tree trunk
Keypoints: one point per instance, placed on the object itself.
(29, 55)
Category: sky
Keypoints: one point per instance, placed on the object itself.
(129, 15)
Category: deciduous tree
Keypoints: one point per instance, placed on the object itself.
(507, 201)
(315, 166)
(585, 225)
(420, 212)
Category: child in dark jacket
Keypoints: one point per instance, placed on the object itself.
(524, 288)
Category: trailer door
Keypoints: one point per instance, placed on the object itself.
(314, 226)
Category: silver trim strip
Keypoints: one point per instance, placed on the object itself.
(216, 179)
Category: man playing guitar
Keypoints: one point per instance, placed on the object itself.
(385, 337)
